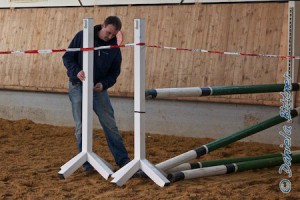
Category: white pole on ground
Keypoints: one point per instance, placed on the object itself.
(139, 161)
(87, 153)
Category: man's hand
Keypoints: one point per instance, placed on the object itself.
(98, 87)
(81, 75)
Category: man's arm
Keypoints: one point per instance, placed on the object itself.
(71, 59)
(113, 73)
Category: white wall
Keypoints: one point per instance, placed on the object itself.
(190, 119)
(61, 3)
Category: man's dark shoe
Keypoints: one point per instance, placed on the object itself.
(123, 164)
(89, 171)
(139, 174)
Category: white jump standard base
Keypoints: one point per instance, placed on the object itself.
(100, 165)
(139, 161)
(131, 168)
(87, 154)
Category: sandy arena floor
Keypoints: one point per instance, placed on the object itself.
(32, 154)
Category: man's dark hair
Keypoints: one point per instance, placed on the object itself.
(115, 21)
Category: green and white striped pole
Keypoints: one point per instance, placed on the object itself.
(210, 163)
(217, 90)
(196, 153)
(230, 168)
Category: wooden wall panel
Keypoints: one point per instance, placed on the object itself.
(297, 98)
(239, 27)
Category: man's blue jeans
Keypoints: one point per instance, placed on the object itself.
(104, 110)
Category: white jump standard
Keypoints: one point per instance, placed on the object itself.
(139, 161)
(87, 154)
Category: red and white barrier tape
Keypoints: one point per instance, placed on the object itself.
(225, 53)
(44, 51)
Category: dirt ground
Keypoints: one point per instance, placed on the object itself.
(32, 154)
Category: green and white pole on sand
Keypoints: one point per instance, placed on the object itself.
(230, 168)
(196, 153)
(210, 163)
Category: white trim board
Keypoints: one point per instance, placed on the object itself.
(127, 2)
(231, 1)
(60, 3)
(38, 3)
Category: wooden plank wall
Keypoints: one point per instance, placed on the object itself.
(239, 27)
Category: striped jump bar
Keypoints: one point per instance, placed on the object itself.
(222, 142)
(225, 161)
(217, 90)
(231, 168)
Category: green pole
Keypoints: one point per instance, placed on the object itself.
(210, 163)
(229, 168)
(235, 160)
(247, 89)
(218, 90)
(204, 149)
(247, 132)
(264, 163)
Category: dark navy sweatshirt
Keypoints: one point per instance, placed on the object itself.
(107, 62)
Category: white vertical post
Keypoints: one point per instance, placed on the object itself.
(293, 43)
(139, 161)
(139, 90)
(87, 155)
(87, 86)
(296, 46)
